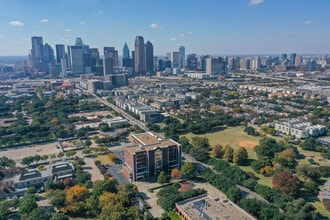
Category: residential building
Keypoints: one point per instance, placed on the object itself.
(300, 129)
(150, 155)
(324, 194)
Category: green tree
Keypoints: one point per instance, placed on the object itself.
(299, 209)
(217, 151)
(250, 130)
(234, 194)
(201, 142)
(162, 178)
(37, 214)
(58, 199)
(6, 162)
(101, 186)
(59, 216)
(199, 154)
(228, 153)
(188, 169)
(240, 156)
(267, 148)
(27, 205)
(88, 143)
(4, 210)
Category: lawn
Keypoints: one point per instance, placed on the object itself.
(173, 215)
(231, 136)
(104, 159)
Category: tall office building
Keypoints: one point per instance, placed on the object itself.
(107, 66)
(48, 54)
(293, 58)
(182, 56)
(175, 59)
(95, 56)
(140, 55)
(298, 60)
(125, 51)
(284, 56)
(112, 53)
(77, 59)
(127, 61)
(149, 52)
(63, 68)
(60, 52)
(255, 63)
(36, 52)
(191, 61)
(245, 64)
(215, 66)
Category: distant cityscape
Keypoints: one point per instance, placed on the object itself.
(80, 59)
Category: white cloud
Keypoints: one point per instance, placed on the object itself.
(100, 11)
(16, 23)
(82, 22)
(288, 33)
(255, 2)
(68, 30)
(173, 39)
(310, 22)
(34, 32)
(181, 35)
(189, 32)
(44, 20)
(154, 26)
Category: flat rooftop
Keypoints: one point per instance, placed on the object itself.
(205, 207)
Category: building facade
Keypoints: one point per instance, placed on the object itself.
(150, 155)
(139, 56)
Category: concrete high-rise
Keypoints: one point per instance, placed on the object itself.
(77, 59)
(127, 61)
(112, 53)
(140, 55)
(215, 66)
(182, 56)
(191, 61)
(293, 58)
(107, 66)
(48, 54)
(149, 52)
(36, 52)
(175, 59)
(255, 63)
(60, 52)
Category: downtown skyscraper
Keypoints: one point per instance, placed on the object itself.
(36, 52)
(149, 51)
(139, 56)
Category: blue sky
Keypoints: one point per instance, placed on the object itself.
(224, 27)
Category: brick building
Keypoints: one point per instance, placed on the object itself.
(150, 155)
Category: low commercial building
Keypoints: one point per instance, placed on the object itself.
(150, 155)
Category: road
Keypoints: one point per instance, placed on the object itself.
(132, 120)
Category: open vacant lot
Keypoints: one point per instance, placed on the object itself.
(19, 153)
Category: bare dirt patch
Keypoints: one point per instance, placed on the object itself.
(248, 144)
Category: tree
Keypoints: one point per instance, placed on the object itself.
(307, 171)
(162, 178)
(58, 199)
(37, 214)
(6, 162)
(228, 153)
(4, 210)
(234, 194)
(311, 186)
(75, 197)
(299, 209)
(27, 205)
(201, 142)
(286, 182)
(188, 169)
(287, 158)
(101, 186)
(88, 143)
(128, 189)
(267, 148)
(240, 156)
(217, 151)
(59, 216)
(112, 156)
(70, 153)
(175, 174)
(199, 154)
(250, 130)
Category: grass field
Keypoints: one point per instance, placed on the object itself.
(104, 159)
(173, 215)
(231, 136)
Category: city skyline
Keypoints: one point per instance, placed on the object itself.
(211, 27)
